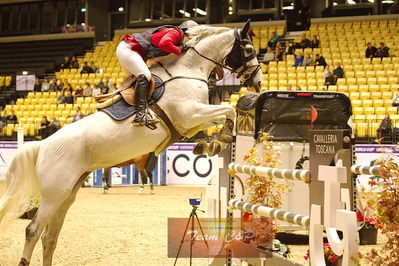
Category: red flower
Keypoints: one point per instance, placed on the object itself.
(360, 217)
(333, 259)
(247, 217)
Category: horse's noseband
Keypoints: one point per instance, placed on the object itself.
(237, 60)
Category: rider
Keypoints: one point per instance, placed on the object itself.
(133, 51)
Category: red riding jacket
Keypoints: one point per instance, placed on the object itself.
(164, 39)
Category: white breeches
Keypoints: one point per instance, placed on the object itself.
(131, 61)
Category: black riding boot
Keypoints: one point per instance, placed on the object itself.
(143, 117)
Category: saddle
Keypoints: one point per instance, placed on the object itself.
(126, 91)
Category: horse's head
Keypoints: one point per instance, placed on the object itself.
(242, 59)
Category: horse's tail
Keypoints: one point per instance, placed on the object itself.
(21, 188)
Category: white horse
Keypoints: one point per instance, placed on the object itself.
(55, 168)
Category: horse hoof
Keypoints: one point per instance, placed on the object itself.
(23, 262)
(141, 190)
(214, 148)
(152, 192)
(201, 148)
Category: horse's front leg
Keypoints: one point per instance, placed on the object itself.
(211, 115)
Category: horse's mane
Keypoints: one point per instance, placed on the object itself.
(200, 32)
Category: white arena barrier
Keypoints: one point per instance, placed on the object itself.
(335, 218)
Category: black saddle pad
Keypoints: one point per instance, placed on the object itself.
(121, 110)
(247, 102)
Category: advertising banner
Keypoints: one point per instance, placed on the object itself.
(367, 154)
(7, 152)
(185, 168)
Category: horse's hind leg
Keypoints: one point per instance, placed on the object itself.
(50, 235)
(36, 226)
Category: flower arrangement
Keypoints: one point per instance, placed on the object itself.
(329, 255)
(383, 204)
(265, 191)
(368, 222)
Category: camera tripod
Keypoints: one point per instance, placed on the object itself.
(192, 218)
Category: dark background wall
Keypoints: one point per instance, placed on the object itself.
(52, 16)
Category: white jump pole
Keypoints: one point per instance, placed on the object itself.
(365, 170)
(291, 174)
(281, 215)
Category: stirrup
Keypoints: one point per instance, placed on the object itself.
(147, 120)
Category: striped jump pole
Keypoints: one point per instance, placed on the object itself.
(365, 170)
(285, 216)
(291, 174)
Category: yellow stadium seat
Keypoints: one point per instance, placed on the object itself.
(380, 73)
(351, 81)
(368, 67)
(352, 88)
(366, 61)
(89, 99)
(360, 118)
(343, 88)
(377, 67)
(357, 110)
(272, 82)
(291, 75)
(362, 129)
(373, 129)
(386, 87)
(387, 102)
(387, 95)
(371, 117)
(380, 111)
(393, 80)
(376, 95)
(332, 87)
(68, 106)
(369, 110)
(363, 88)
(395, 87)
(354, 95)
(273, 76)
(351, 74)
(365, 95)
(38, 119)
(320, 82)
(382, 80)
(391, 73)
(356, 103)
(394, 117)
(374, 87)
(391, 110)
(372, 81)
(10, 128)
(311, 82)
(367, 103)
(282, 82)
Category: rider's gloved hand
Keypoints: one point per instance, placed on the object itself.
(184, 48)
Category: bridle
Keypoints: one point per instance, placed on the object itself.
(239, 66)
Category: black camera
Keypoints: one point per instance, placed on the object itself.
(195, 201)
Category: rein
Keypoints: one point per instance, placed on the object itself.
(175, 77)
(239, 70)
